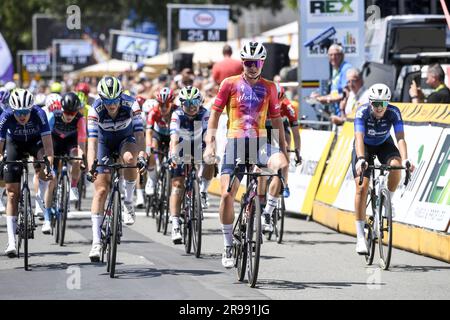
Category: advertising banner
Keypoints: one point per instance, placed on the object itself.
(337, 166)
(431, 207)
(203, 24)
(422, 141)
(346, 17)
(304, 180)
(133, 47)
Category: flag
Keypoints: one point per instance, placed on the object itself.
(6, 67)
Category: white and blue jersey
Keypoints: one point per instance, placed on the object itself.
(36, 127)
(377, 131)
(127, 121)
(189, 128)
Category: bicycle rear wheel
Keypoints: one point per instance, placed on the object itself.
(279, 220)
(116, 212)
(240, 245)
(385, 229)
(186, 227)
(369, 229)
(196, 221)
(254, 240)
(27, 225)
(65, 208)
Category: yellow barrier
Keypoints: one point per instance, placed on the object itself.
(410, 238)
(422, 113)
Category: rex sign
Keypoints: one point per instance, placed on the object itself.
(203, 24)
(338, 10)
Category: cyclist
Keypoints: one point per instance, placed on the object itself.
(289, 113)
(25, 131)
(68, 128)
(158, 130)
(4, 97)
(373, 123)
(114, 126)
(187, 126)
(249, 99)
(139, 182)
(82, 90)
(56, 87)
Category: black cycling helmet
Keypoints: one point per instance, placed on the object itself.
(70, 102)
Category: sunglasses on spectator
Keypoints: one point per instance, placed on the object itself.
(70, 113)
(379, 104)
(256, 63)
(352, 80)
(22, 112)
(109, 102)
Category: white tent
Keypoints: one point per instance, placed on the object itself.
(112, 67)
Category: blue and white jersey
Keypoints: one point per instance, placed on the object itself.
(127, 121)
(377, 131)
(36, 127)
(186, 127)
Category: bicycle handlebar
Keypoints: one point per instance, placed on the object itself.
(385, 167)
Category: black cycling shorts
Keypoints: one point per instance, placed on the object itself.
(384, 152)
(17, 151)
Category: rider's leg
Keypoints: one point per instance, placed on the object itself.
(394, 175)
(151, 182)
(276, 162)
(101, 189)
(129, 152)
(12, 191)
(175, 206)
(76, 167)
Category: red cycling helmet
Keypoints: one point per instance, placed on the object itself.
(140, 100)
(280, 91)
(165, 95)
(83, 87)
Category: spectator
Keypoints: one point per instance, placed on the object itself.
(435, 79)
(227, 67)
(355, 95)
(338, 78)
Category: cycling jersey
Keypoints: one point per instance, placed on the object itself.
(187, 127)
(377, 131)
(190, 131)
(157, 123)
(247, 106)
(72, 133)
(127, 121)
(36, 127)
(288, 112)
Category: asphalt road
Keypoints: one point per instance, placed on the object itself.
(314, 262)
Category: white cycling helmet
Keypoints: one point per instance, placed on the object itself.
(253, 51)
(51, 99)
(149, 104)
(10, 85)
(21, 99)
(379, 92)
(39, 99)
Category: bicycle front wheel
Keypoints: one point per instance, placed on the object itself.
(116, 212)
(167, 191)
(254, 240)
(26, 225)
(369, 229)
(64, 209)
(385, 229)
(187, 223)
(196, 221)
(240, 245)
(279, 220)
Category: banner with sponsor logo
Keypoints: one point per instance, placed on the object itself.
(337, 166)
(132, 46)
(6, 65)
(203, 24)
(304, 180)
(431, 207)
(316, 18)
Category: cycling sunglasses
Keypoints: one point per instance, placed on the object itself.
(379, 104)
(70, 113)
(109, 102)
(191, 103)
(256, 63)
(22, 112)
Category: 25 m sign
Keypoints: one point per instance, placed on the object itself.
(203, 25)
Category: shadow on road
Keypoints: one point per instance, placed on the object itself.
(63, 266)
(309, 232)
(266, 284)
(409, 268)
(54, 253)
(315, 242)
(139, 273)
